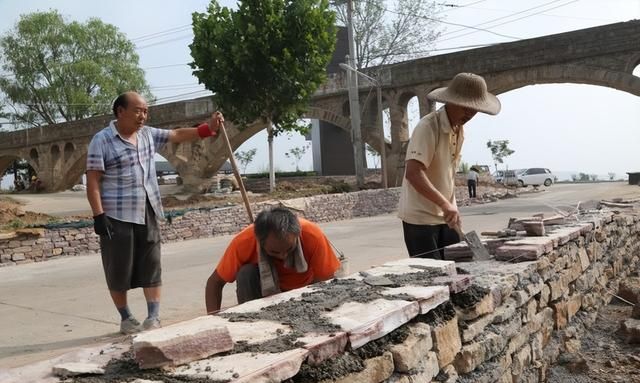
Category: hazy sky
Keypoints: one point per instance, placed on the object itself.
(563, 127)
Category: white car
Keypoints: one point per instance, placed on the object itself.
(535, 177)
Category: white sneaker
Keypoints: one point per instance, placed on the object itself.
(151, 323)
(130, 326)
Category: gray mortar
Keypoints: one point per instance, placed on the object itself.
(469, 297)
(304, 315)
(351, 361)
(125, 369)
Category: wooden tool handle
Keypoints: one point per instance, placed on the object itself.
(236, 172)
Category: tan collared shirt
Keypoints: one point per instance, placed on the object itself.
(435, 145)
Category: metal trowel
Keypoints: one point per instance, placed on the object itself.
(480, 252)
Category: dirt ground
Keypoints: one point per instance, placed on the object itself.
(603, 356)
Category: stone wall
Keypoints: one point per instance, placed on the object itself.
(516, 319)
(481, 321)
(35, 245)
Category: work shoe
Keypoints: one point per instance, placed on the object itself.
(130, 326)
(151, 323)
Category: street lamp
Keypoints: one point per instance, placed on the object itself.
(383, 149)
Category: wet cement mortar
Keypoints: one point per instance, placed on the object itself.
(469, 297)
(125, 369)
(303, 315)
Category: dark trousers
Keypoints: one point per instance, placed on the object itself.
(248, 283)
(471, 184)
(428, 241)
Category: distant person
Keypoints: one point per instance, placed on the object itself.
(472, 181)
(279, 252)
(427, 206)
(125, 199)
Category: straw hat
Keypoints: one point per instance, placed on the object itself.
(468, 90)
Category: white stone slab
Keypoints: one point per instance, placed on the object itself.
(428, 297)
(324, 346)
(372, 320)
(246, 367)
(448, 267)
(250, 332)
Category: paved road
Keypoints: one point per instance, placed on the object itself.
(48, 308)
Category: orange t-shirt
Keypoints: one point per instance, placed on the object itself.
(321, 259)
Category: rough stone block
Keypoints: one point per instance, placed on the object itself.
(545, 293)
(446, 339)
(408, 354)
(629, 289)
(573, 305)
(521, 360)
(376, 370)
(584, 259)
(484, 306)
(560, 314)
(180, 343)
(630, 330)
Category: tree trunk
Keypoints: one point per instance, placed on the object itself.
(272, 173)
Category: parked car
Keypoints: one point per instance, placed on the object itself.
(535, 177)
(507, 177)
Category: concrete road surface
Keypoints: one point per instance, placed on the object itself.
(51, 307)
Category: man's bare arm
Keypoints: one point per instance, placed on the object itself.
(94, 178)
(213, 292)
(179, 135)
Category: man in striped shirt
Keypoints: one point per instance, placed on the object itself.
(125, 199)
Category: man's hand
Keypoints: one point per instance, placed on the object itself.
(102, 225)
(216, 121)
(451, 215)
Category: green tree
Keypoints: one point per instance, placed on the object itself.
(583, 177)
(594, 177)
(463, 167)
(499, 151)
(297, 153)
(264, 60)
(384, 35)
(612, 176)
(57, 71)
(245, 158)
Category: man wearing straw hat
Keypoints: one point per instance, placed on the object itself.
(427, 206)
(278, 252)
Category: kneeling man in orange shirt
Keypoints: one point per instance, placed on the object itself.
(278, 252)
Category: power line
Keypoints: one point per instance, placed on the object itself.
(165, 41)
(439, 21)
(162, 32)
(512, 21)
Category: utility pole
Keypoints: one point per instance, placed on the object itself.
(354, 102)
(383, 142)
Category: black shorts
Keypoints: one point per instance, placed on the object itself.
(131, 258)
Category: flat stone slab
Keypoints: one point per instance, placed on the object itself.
(66, 370)
(181, 343)
(324, 346)
(41, 372)
(246, 367)
(369, 321)
(428, 297)
(447, 267)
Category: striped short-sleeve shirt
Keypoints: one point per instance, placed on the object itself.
(129, 172)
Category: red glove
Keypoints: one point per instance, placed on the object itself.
(204, 131)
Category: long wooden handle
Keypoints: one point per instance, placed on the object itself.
(234, 166)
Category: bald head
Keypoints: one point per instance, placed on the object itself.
(124, 99)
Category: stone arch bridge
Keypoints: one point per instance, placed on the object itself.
(604, 56)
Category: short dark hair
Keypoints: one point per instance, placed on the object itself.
(279, 221)
(121, 101)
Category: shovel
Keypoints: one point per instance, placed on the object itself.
(480, 253)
